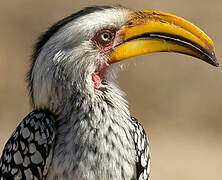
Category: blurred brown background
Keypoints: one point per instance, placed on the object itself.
(177, 98)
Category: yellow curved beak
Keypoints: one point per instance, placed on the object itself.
(150, 31)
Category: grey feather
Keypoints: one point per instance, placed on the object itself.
(143, 152)
(28, 152)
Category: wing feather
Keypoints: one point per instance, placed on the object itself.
(28, 152)
(142, 150)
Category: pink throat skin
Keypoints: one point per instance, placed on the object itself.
(99, 75)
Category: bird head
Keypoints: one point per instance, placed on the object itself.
(76, 55)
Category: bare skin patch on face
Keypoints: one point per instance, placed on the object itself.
(98, 75)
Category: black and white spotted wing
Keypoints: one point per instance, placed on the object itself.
(27, 154)
(142, 150)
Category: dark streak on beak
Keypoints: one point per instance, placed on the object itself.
(204, 54)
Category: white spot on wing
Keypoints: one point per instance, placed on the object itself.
(18, 158)
(36, 158)
(25, 133)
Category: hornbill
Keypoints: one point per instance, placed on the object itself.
(80, 126)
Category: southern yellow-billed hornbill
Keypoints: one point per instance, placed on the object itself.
(81, 127)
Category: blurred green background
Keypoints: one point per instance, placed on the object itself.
(177, 98)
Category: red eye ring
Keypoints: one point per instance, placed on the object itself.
(104, 37)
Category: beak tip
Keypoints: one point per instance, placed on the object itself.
(214, 61)
(211, 59)
(217, 64)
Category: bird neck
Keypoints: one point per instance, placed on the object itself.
(86, 130)
(108, 101)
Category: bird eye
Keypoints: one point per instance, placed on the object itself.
(106, 36)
